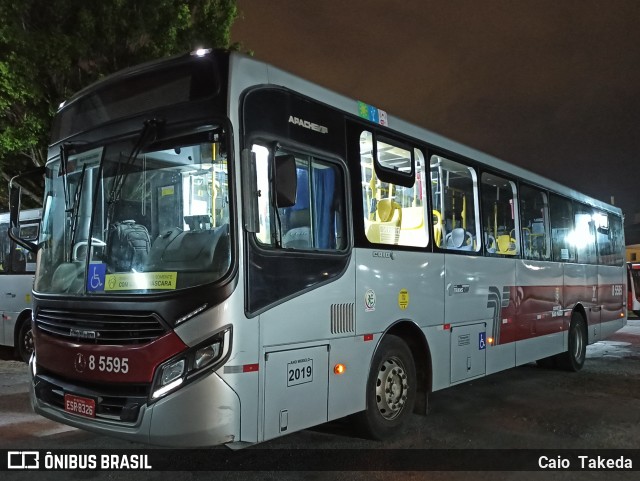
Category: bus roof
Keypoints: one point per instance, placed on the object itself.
(250, 72)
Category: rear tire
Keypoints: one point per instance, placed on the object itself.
(573, 358)
(24, 346)
(390, 392)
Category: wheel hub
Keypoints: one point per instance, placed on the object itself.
(391, 388)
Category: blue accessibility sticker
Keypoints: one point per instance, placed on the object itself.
(482, 341)
(95, 277)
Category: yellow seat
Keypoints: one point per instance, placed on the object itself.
(437, 228)
(412, 228)
(506, 245)
(386, 228)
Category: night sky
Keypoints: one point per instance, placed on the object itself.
(550, 85)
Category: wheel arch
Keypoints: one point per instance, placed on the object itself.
(415, 339)
(24, 316)
(579, 308)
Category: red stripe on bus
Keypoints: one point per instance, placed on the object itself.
(534, 311)
(91, 362)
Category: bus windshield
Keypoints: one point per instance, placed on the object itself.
(134, 219)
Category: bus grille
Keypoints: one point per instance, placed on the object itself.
(342, 320)
(119, 403)
(106, 328)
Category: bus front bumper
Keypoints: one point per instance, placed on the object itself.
(205, 412)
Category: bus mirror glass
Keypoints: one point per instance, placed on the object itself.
(32, 178)
(286, 181)
(14, 205)
(250, 192)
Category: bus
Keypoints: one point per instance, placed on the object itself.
(230, 253)
(17, 268)
(633, 292)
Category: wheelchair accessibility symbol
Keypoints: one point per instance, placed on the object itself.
(95, 277)
(482, 341)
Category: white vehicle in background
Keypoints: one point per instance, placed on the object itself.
(17, 267)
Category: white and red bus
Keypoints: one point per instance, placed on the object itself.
(230, 253)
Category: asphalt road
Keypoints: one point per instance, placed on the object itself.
(524, 408)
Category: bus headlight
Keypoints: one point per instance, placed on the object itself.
(191, 364)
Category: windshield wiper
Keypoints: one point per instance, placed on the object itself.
(63, 171)
(74, 211)
(149, 129)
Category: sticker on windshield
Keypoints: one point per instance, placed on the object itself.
(90, 158)
(140, 280)
(95, 277)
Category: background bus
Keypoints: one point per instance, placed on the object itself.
(17, 267)
(230, 253)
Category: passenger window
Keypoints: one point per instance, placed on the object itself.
(534, 216)
(501, 235)
(456, 220)
(314, 218)
(603, 241)
(561, 229)
(393, 192)
(4, 247)
(583, 236)
(609, 239)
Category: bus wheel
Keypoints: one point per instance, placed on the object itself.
(25, 341)
(391, 390)
(573, 358)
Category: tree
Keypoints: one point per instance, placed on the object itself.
(51, 49)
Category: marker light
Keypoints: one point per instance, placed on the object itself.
(201, 52)
(339, 369)
(490, 340)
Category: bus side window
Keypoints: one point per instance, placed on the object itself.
(534, 218)
(501, 235)
(393, 192)
(561, 229)
(4, 247)
(314, 219)
(583, 237)
(616, 237)
(454, 193)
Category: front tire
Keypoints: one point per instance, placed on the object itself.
(573, 358)
(391, 390)
(24, 345)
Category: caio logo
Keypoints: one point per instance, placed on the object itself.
(23, 460)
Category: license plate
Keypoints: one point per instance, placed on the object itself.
(80, 405)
